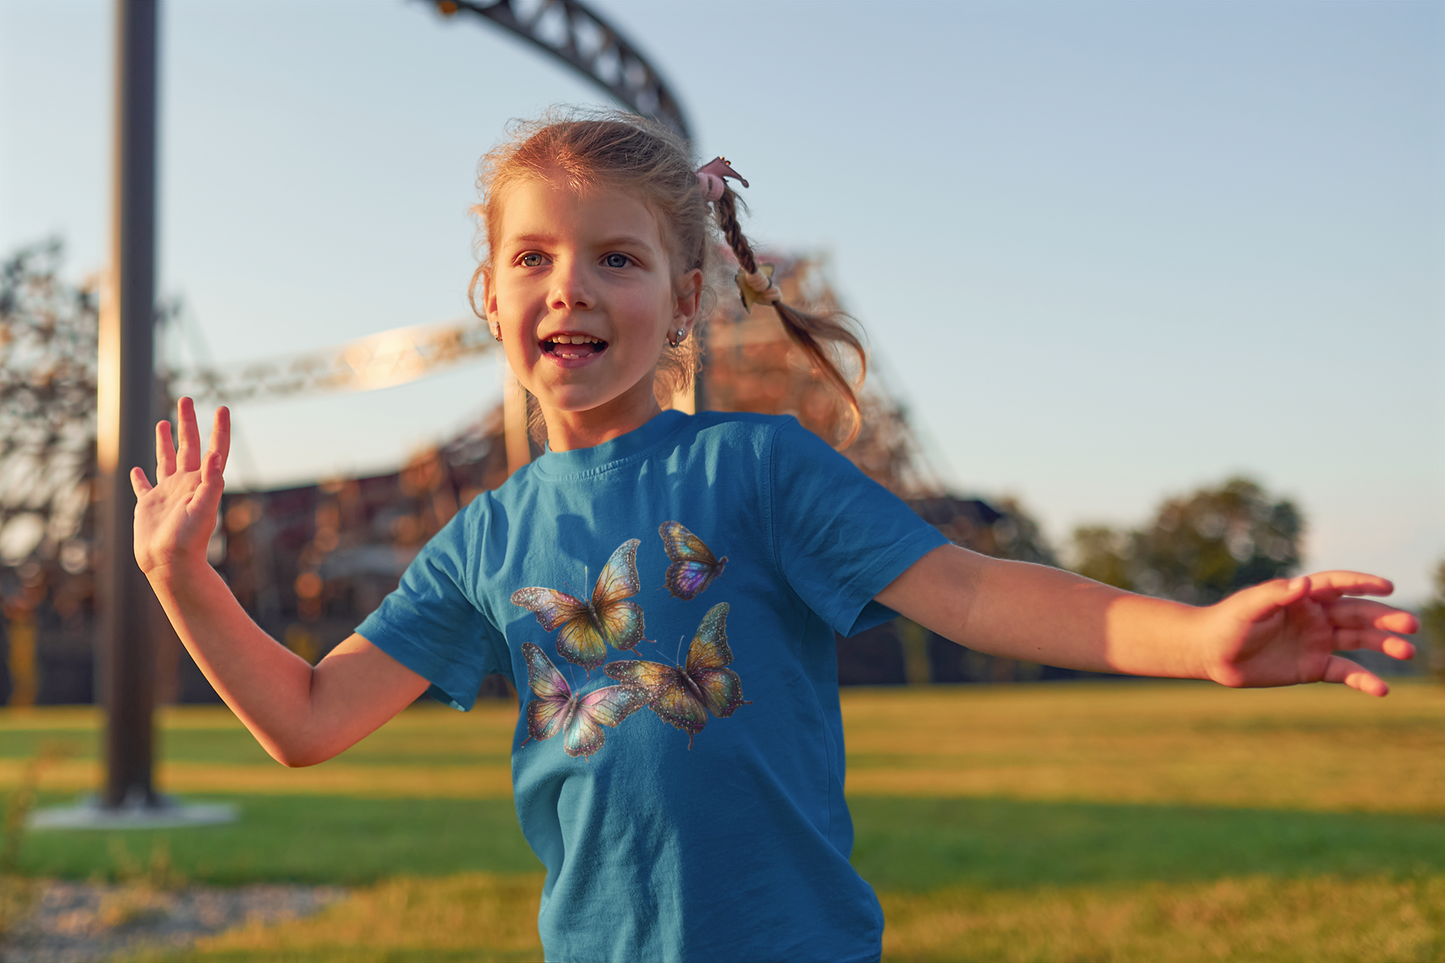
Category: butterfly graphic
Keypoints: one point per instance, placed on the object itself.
(580, 720)
(588, 628)
(682, 696)
(693, 566)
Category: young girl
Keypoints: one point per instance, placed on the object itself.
(664, 588)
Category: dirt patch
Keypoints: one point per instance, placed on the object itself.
(70, 922)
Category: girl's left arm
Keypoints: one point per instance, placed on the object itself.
(1276, 633)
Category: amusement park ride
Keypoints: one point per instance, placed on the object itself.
(64, 499)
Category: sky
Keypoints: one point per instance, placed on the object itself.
(1107, 253)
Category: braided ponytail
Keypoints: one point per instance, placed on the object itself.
(814, 333)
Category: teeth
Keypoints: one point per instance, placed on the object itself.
(574, 339)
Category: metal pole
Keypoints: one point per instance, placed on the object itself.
(124, 408)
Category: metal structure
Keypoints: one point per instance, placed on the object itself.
(573, 34)
(376, 361)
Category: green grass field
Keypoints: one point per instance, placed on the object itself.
(1088, 821)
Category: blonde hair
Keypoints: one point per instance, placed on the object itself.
(612, 149)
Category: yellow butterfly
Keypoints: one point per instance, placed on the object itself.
(682, 696)
(588, 628)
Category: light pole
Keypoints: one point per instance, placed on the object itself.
(126, 392)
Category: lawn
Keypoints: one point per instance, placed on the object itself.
(1097, 821)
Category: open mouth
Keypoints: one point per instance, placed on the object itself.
(573, 346)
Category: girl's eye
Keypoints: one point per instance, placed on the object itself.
(530, 260)
(617, 260)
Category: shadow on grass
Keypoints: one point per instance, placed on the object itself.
(303, 839)
(902, 844)
(914, 845)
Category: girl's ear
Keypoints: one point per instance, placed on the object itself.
(689, 298)
(489, 296)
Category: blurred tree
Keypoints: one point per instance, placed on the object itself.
(1016, 535)
(1198, 548)
(1432, 625)
(47, 465)
(1104, 554)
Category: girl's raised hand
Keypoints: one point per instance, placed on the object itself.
(174, 518)
(1287, 631)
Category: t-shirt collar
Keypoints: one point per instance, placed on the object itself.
(624, 447)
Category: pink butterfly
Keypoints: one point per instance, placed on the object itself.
(693, 566)
(580, 720)
(588, 628)
(682, 696)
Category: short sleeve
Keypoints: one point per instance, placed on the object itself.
(432, 623)
(839, 537)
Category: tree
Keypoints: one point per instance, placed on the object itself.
(1105, 555)
(1198, 548)
(1432, 624)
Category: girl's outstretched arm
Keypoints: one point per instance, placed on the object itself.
(1277, 633)
(299, 713)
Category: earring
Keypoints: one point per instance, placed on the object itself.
(676, 338)
(497, 333)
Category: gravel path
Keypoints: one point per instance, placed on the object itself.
(73, 922)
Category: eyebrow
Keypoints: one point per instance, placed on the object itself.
(621, 240)
(624, 240)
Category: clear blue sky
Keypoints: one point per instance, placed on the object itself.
(1109, 252)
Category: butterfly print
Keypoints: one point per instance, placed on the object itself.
(682, 696)
(588, 628)
(693, 566)
(580, 720)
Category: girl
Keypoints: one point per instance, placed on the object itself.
(678, 761)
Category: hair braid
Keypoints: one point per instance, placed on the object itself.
(727, 216)
(806, 330)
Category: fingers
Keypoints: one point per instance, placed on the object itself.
(1344, 671)
(188, 456)
(1376, 641)
(220, 437)
(138, 482)
(1325, 586)
(1354, 613)
(1259, 602)
(165, 452)
(213, 483)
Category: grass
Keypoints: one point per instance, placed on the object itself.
(1311, 748)
(303, 839)
(479, 917)
(1312, 920)
(1056, 822)
(918, 845)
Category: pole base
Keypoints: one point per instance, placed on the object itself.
(163, 813)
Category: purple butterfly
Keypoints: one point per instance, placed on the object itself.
(588, 628)
(693, 566)
(580, 720)
(682, 696)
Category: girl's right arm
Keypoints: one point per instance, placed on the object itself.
(301, 714)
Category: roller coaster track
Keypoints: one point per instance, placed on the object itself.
(570, 32)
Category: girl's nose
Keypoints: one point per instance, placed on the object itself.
(570, 287)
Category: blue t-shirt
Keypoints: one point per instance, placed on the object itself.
(665, 604)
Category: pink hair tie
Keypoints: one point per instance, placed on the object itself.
(712, 187)
(710, 178)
